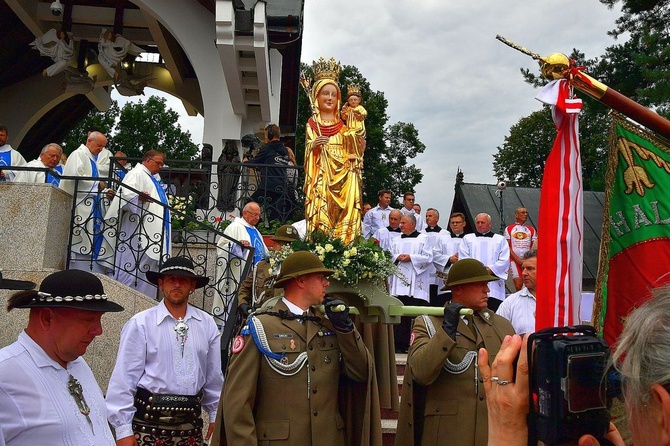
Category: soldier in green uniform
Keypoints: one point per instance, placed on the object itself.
(443, 397)
(287, 366)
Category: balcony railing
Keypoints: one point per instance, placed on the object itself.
(207, 196)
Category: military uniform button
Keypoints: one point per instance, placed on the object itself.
(313, 368)
(313, 390)
(316, 413)
(311, 348)
(481, 398)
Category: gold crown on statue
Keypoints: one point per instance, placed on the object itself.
(326, 69)
(354, 89)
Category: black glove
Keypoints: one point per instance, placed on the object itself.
(338, 317)
(451, 318)
(244, 309)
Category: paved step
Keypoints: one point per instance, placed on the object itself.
(388, 432)
(400, 363)
(390, 417)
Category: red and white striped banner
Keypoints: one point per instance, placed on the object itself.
(560, 241)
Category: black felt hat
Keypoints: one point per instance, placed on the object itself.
(67, 289)
(10, 284)
(178, 266)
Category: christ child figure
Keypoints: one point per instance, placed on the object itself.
(353, 112)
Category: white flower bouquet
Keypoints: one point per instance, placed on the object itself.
(362, 259)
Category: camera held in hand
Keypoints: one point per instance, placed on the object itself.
(568, 386)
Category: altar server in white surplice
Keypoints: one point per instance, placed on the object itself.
(441, 240)
(493, 251)
(144, 232)
(385, 236)
(413, 253)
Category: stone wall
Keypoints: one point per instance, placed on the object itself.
(34, 228)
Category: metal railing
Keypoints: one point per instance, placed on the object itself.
(204, 198)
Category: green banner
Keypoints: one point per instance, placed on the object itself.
(635, 247)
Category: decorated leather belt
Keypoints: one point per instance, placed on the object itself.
(168, 409)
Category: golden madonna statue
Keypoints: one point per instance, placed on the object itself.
(333, 160)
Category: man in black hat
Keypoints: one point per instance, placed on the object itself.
(291, 356)
(442, 391)
(48, 394)
(168, 368)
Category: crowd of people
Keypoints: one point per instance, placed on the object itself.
(297, 348)
(425, 252)
(293, 354)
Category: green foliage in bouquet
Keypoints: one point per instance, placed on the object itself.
(362, 259)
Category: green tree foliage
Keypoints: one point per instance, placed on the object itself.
(521, 158)
(388, 147)
(151, 125)
(638, 68)
(103, 120)
(136, 128)
(647, 50)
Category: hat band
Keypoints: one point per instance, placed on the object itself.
(170, 268)
(46, 297)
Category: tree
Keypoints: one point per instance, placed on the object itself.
(103, 120)
(136, 128)
(388, 147)
(647, 50)
(151, 125)
(521, 159)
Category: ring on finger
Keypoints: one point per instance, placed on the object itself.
(503, 382)
(494, 379)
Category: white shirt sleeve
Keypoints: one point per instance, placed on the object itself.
(130, 365)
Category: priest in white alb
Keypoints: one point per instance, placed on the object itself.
(143, 236)
(8, 156)
(232, 258)
(88, 226)
(48, 159)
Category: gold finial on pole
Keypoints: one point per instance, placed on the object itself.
(554, 66)
(558, 66)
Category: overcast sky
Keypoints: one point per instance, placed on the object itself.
(441, 68)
